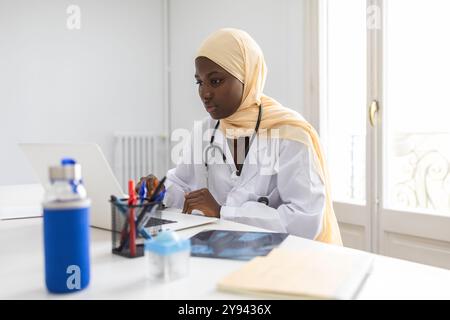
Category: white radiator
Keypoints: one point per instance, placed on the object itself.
(138, 154)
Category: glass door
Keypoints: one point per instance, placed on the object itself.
(417, 109)
(343, 80)
(415, 131)
(385, 126)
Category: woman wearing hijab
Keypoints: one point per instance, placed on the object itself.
(289, 194)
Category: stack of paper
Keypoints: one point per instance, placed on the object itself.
(284, 273)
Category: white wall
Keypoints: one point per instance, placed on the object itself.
(277, 25)
(58, 85)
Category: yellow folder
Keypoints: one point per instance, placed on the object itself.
(318, 274)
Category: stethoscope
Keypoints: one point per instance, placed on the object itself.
(212, 146)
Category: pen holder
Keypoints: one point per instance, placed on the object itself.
(123, 236)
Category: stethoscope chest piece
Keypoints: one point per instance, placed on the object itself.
(264, 200)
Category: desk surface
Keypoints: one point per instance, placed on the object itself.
(114, 277)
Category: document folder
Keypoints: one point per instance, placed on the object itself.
(303, 274)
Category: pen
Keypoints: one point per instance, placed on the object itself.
(158, 188)
(131, 202)
(145, 214)
(142, 192)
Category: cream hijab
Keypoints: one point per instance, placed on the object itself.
(236, 52)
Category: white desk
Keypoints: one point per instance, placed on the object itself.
(21, 200)
(115, 277)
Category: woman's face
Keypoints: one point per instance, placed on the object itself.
(221, 93)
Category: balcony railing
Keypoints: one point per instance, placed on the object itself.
(416, 171)
(419, 175)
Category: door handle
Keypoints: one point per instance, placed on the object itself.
(373, 110)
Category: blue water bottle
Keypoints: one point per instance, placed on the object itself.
(66, 230)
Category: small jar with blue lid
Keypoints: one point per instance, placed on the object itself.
(167, 256)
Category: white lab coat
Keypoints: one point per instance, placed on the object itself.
(295, 191)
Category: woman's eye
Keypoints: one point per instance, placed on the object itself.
(198, 82)
(216, 81)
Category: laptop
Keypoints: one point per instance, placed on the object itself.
(100, 182)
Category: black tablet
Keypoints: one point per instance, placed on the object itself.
(236, 245)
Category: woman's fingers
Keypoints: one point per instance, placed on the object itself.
(202, 200)
(184, 206)
(197, 193)
(185, 203)
(194, 200)
(195, 197)
(192, 204)
(190, 198)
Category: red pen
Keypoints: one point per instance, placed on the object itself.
(132, 200)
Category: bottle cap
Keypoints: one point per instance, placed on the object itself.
(68, 170)
(167, 242)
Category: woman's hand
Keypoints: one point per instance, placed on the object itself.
(201, 200)
(151, 182)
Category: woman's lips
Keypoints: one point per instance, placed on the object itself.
(210, 108)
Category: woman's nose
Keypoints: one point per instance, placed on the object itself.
(207, 95)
